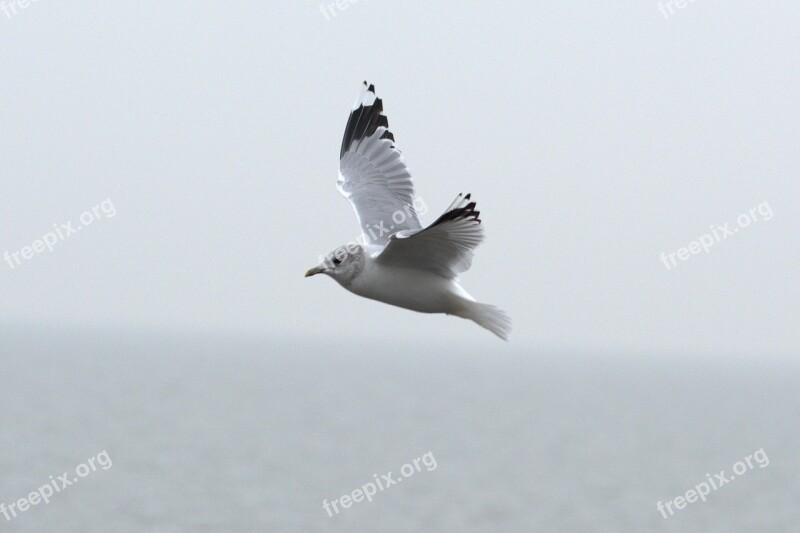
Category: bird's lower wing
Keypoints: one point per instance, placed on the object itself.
(445, 247)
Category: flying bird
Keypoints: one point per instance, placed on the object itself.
(396, 260)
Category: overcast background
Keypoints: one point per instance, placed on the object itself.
(594, 136)
(232, 394)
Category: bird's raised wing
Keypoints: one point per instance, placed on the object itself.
(445, 247)
(372, 173)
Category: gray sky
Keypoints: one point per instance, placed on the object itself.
(594, 135)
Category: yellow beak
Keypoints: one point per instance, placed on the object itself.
(316, 270)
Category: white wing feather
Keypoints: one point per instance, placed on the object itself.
(373, 174)
(445, 247)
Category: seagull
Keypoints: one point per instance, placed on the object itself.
(395, 260)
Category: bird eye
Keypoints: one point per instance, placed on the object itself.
(337, 261)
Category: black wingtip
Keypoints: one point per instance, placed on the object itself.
(364, 120)
(468, 211)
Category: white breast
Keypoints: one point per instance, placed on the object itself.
(418, 290)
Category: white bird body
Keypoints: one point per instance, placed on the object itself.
(400, 262)
(426, 292)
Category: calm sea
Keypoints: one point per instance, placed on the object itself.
(216, 434)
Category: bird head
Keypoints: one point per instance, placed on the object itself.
(342, 264)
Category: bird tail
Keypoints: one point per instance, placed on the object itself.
(490, 317)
